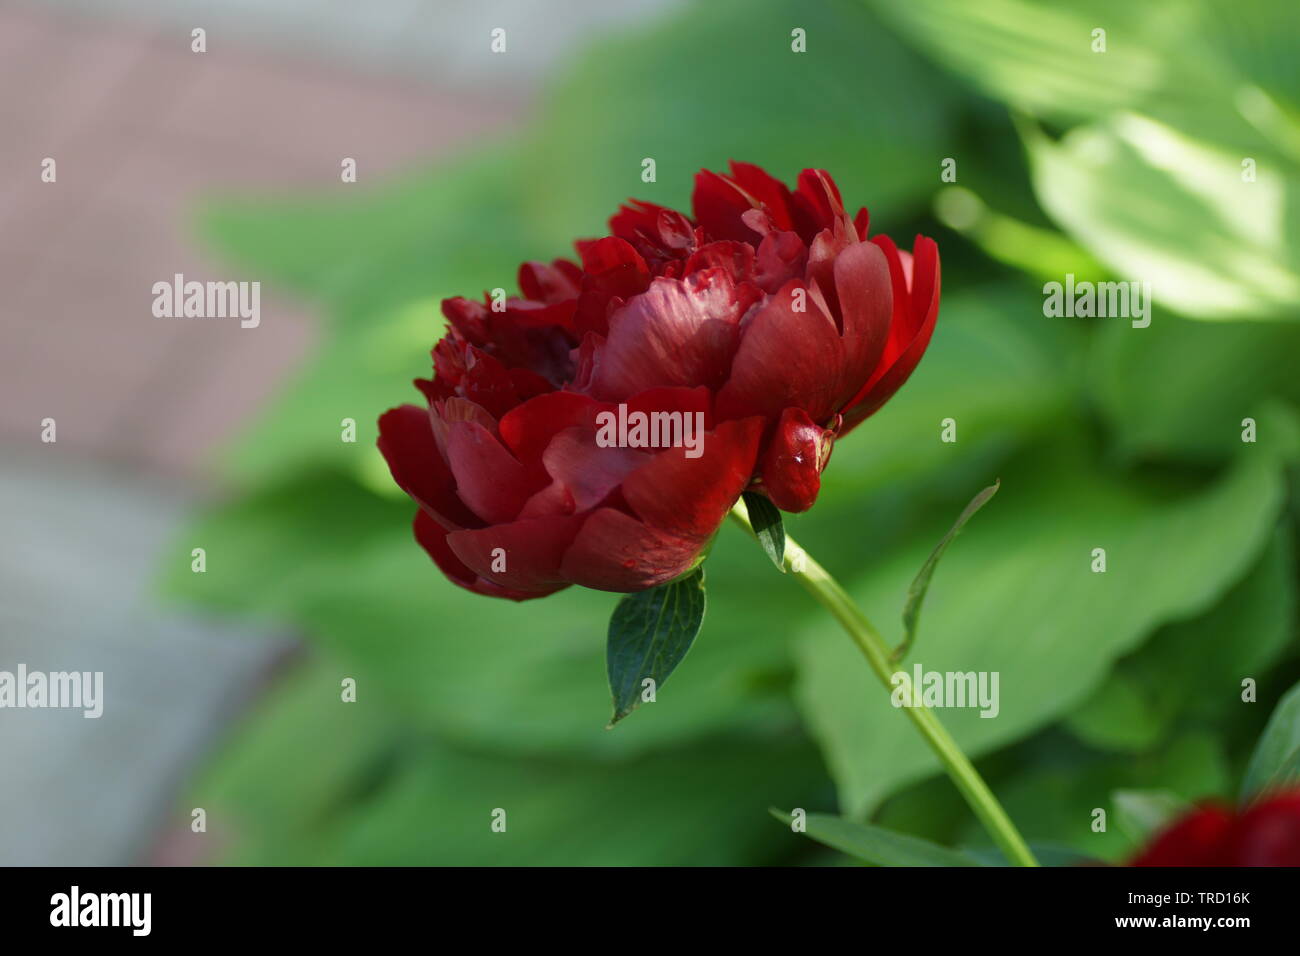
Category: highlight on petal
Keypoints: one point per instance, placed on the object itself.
(679, 332)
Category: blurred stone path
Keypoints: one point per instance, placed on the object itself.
(141, 129)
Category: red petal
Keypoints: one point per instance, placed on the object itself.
(817, 205)
(586, 470)
(768, 190)
(433, 539)
(734, 258)
(1267, 833)
(782, 256)
(910, 330)
(488, 478)
(616, 552)
(792, 465)
(785, 358)
(1195, 840)
(406, 442)
(531, 550)
(864, 292)
(613, 270)
(528, 428)
(689, 497)
(553, 283)
(679, 332)
(718, 204)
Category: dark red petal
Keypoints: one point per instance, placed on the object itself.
(467, 317)
(679, 332)
(718, 204)
(586, 470)
(456, 409)
(616, 552)
(531, 549)
(768, 190)
(674, 399)
(782, 256)
(406, 442)
(550, 284)
(792, 465)
(864, 293)
(636, 221)
(528, 428)
(1267, 833)
(861, 221)
(488, 478)
(909, 334)
(488, 383)
(785, 358)
(734, 258)
(689, 497)
(433, 538)
(817, 205)
(613, 270)
(1195, 840)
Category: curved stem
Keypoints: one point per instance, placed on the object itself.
(973, 789)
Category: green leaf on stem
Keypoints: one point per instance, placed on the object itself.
(649, 634)
(768, 527)
(921, 583)
(876, 844)
(1276, 760)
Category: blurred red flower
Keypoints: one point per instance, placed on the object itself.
(771, 318)
(1267, 833)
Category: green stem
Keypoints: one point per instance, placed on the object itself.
(964, 775)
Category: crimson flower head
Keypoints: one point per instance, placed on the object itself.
(597, 428)
(1267, 833)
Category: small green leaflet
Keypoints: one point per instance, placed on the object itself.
(768, 527)
(876, 844)
(649, 634)
(921, 583)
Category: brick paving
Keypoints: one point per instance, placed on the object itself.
(141, 129)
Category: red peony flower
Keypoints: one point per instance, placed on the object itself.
(1267, 833)
(767, 326)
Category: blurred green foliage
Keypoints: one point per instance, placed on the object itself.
(1123, 164)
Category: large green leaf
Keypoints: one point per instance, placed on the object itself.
(354, 785)
(1019, 598)
(1188, 670)
(877, 845)
(1161, 208)
(1164, 58)
(1182, 389)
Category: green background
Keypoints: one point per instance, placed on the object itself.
(1125, 165)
